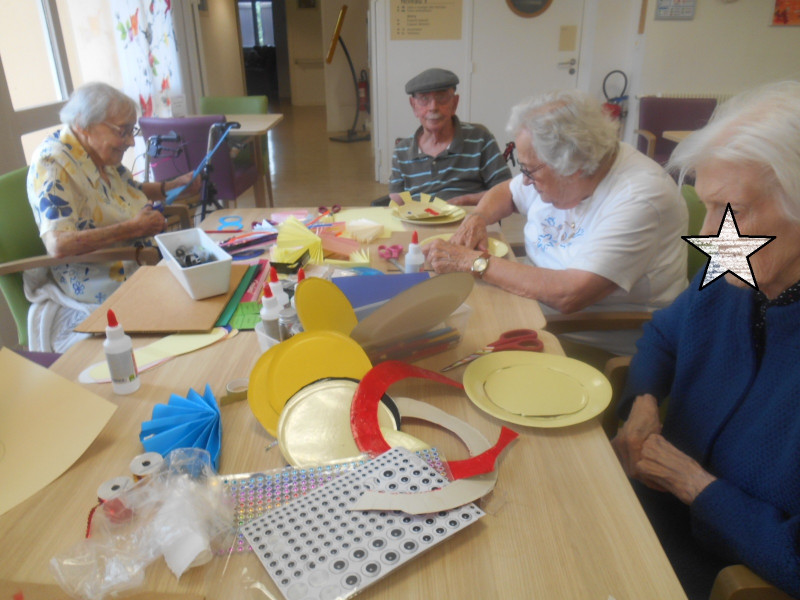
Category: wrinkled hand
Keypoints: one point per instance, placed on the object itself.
(664, 467)
(184, 179)
(472, 233)
(642, 422)
(149, 221)
(445, 257)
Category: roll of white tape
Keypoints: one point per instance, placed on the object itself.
(146, 464)
(113, 487)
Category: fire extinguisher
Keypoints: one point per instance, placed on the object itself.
(363, 92)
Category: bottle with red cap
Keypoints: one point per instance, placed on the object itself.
(119, 354)
(301, 275)
(415, 259)
(277, 288)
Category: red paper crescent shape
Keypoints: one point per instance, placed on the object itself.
(364, 416)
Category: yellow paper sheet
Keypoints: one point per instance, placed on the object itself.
(379, 214)
(46, 423)
(163, 349)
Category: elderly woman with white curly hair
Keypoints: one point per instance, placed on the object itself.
(720, 478)
(603, 220)
(83, 199)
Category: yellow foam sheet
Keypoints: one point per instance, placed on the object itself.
(46, 423)
(167, 347)
(379, 214)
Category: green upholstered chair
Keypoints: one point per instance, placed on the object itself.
(237, 105)
(21, 248)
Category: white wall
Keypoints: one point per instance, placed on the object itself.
(341, 98)
(222, 51)
(728, 47)
(306, 54)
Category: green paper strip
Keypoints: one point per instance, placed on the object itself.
(226, 315)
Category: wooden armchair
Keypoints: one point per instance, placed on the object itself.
(657, 115)
(21, 248)
(736, 582)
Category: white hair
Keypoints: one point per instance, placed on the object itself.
(94, 103)
(569, 130)
(759, 128)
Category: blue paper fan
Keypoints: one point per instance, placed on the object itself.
(190, 422)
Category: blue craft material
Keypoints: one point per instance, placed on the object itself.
(363, 291)
(190, 422)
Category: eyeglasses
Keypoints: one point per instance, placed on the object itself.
(529, 173)
(123, 133)
(440, 97)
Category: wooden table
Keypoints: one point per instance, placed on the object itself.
(676, 136)
(562, 522)
(258, 126)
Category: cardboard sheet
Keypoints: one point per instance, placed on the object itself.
(46, 423)
(153, 301)
(23, 590)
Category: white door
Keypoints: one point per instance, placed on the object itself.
(515, 57)
(500, 59)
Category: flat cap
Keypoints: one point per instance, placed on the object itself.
(431, 80)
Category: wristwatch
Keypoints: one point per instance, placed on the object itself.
(480, 264)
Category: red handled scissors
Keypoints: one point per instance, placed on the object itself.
(516, 339)
(324, 211)
(391, 253)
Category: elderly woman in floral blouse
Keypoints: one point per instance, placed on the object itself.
(83, 199)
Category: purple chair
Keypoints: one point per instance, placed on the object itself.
(230, 177)
(657, 115)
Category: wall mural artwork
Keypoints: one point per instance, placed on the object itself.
(148, 54)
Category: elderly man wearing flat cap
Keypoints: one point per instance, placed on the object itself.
(455, 161)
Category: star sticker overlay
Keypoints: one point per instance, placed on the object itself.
(728, 251)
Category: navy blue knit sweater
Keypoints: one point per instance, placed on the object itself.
(737, 416)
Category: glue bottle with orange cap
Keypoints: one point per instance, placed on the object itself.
(270, 310)
(119, 354)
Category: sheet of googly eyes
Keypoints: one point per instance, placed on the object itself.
(315, 548)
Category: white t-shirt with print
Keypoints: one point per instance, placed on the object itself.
(629, 231)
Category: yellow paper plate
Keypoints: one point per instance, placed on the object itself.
(291, 365)
(416, 216)
(321, 305)
(415, 310)
(535, 389)
(496, 247)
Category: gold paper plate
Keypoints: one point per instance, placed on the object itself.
(535, 389)
(314, 426)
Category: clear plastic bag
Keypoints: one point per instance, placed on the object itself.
(176, 513)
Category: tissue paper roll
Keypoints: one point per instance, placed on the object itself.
(113, 487)
(146, 464)
(190, 550)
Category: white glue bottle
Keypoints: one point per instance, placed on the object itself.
(301, 275)
(119, 354)
(269, 314)
(415, 259)
(277, 288)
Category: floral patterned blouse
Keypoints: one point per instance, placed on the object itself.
(67, 193)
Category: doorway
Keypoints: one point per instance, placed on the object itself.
(265, 48)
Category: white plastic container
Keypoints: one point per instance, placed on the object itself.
(200, 281)
(119, 354)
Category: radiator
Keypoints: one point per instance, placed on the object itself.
(720, 97)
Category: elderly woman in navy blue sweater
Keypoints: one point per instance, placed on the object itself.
(720, 479)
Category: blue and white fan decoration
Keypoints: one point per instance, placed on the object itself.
(190, 422)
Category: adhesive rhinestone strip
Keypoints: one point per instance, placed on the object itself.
(254, 494)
